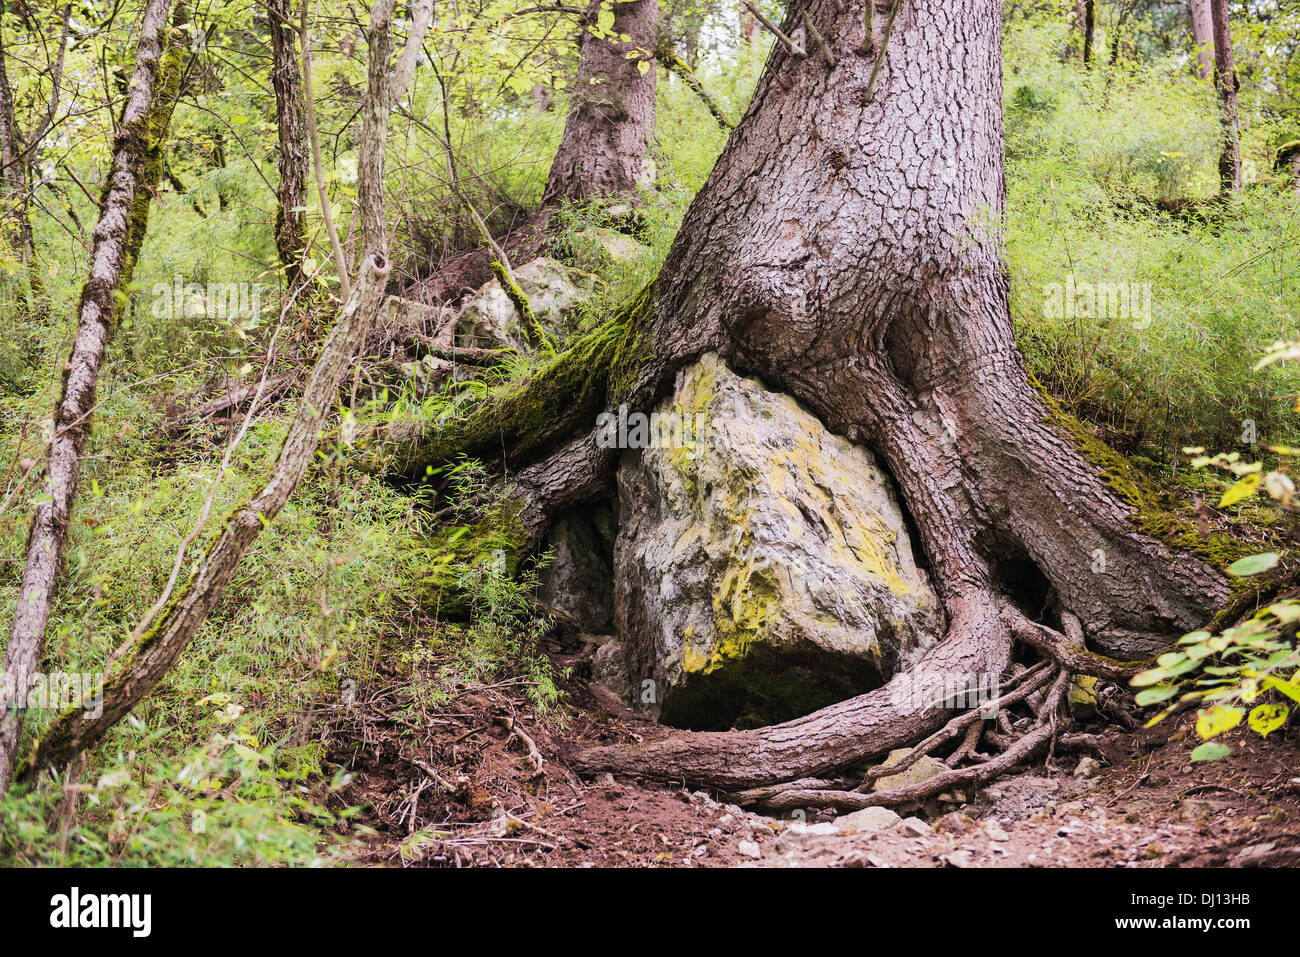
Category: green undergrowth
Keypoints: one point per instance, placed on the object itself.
(1158, 507)
(544, 406)
(1112, 179)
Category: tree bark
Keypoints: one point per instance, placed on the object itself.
(605, 147)
(16, 151)
(133, 175)
(847, 250)
(1089, 29)
(1202, 36)
(13, 168)
(603, 153)
(1225, 81)
(157, 649)
(291, 162)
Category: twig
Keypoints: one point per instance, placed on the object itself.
(827, 56)
(534, 756)
(773, 28)
(884, 45)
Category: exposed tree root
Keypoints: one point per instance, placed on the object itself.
(1016, 754)
(883, 311)
(835, 737)
(1071, 655)
(970, 720)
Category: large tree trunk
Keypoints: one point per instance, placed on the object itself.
(605, 147)
(604, 152)
(1203, 36)
(1225, 81)
(133, 174)
(291, 162)
(847, 250)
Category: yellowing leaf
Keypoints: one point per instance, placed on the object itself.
(1218, 720)
(1268, 717)
(1289, 688)
(1241, 491)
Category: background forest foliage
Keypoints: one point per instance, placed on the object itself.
(1107, 176)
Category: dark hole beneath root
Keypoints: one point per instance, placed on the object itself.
(766, 687)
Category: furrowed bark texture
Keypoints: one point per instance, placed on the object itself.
(291, 162)
(847, 250)
(604, 150)
(1225, 81)
(157, 649)
(133, 174)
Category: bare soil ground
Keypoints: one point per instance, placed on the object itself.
(457, 788)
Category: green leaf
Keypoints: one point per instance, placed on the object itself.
(1211, 751)
(1253, 564)
(1149, 696)
(1149, 677)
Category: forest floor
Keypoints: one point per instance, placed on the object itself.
(462, 791)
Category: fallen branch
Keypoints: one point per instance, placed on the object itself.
(128, 188)
(154, 652)
(233, 400)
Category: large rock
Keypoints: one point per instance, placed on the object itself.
(764, 569)
(924, 769)
(578, 581)
(489, 319)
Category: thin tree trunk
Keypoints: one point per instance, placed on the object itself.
(1089, 28)
(1225, 81)
(291, 161)
(1202, 36)
(13, 168)
(133, 174)
(157, 649)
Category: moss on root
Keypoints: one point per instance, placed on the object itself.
(533, 330)
(596, 370)
(1172, 524)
